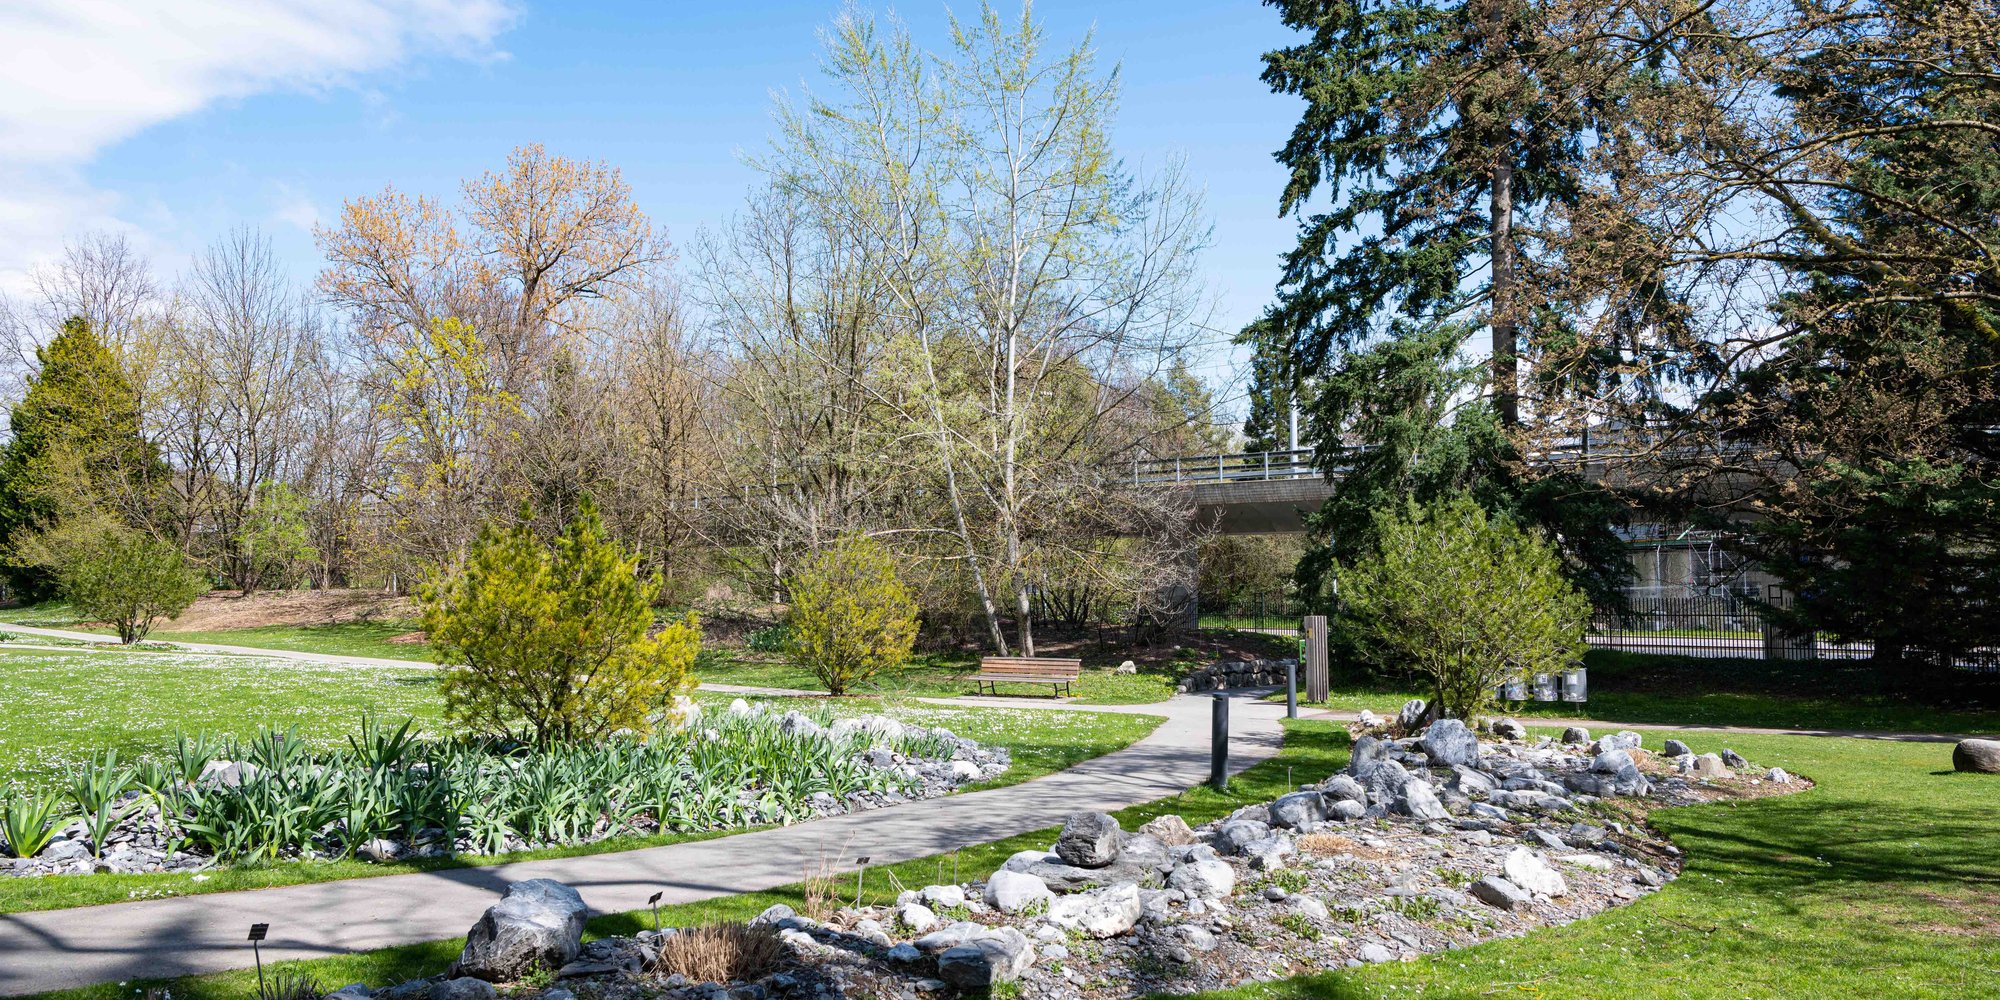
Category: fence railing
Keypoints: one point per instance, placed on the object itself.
(1252, 466)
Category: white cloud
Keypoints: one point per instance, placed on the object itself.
(81, 75)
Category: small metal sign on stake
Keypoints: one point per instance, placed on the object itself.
(257, 933)
(859, 874)
(655, 904)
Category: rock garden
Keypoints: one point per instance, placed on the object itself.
(393, 793)
(1430, 839)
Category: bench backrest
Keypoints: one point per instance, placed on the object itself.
(1030, 666)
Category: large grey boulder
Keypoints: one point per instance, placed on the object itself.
(1674, 748)
(1014, 892)
(1981, 756)
(1527, 870)
(1234, 836)
(537, 925)
(1418, 801)
(948, 937)
(1204, 879)
(1447, 742)
(1499, 892)
(352, 991)
(1469, 782)
(1368, 752)
(984, 962)
(1623, 739)
(1385, 782)
(1298, 809)
(1576, 736)
(1089, 840)
(1141, 850)
(1105, 913)
(1343, 788)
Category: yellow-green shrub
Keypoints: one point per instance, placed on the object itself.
(554, 636)
(851, 614)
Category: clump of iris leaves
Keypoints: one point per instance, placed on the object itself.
(394, 783)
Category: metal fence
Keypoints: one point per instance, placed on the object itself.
(1733, 625)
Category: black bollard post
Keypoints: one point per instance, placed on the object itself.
(1218, 753)
(1292, 690)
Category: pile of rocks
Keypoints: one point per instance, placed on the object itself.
(1426, 842)
(1237, 674)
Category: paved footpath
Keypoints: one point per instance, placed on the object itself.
(180, 936)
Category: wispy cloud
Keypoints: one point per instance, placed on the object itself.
(82, 75)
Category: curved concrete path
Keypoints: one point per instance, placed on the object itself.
(162, 938)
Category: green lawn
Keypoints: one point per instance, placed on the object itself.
(940, 676)
(73, 705)
(1882, 881)
(369, 639)
(1684, 690)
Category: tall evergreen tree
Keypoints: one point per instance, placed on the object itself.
(75, 450)
(1441, 132)
(1267, 426)
(1880, 505)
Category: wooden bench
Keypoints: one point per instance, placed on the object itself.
(1027, 670)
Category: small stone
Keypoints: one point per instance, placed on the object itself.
(1777, 776)
(1089, 840)
(1298, 809)
(1015, 892)
(1709, 765)
(1374, 953)
(1510, 729)
(905, 953)
(919, 919)
(462, 988)
(1733, 759)
(1576, 736)
(352, 991)
(1170, 830)
(1275, 894)
(1675, 748)
(1055, 951)
(1310, 908)
(1543, 838)
(943, 897)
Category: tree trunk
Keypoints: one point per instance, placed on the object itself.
(1506, 391)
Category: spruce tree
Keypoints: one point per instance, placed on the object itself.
(76, 448)
(1439, 133)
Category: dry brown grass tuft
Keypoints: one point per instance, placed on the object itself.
(1333, 843)
(719, 953)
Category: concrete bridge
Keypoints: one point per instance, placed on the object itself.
(1251, 493)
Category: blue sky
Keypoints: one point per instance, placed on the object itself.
(175, 120)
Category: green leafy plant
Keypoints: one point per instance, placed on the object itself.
(773, 639)
(98, 789)
(851, 616)
(29, 820)
(1466, 599)
(1300, 924)
(555, 635)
